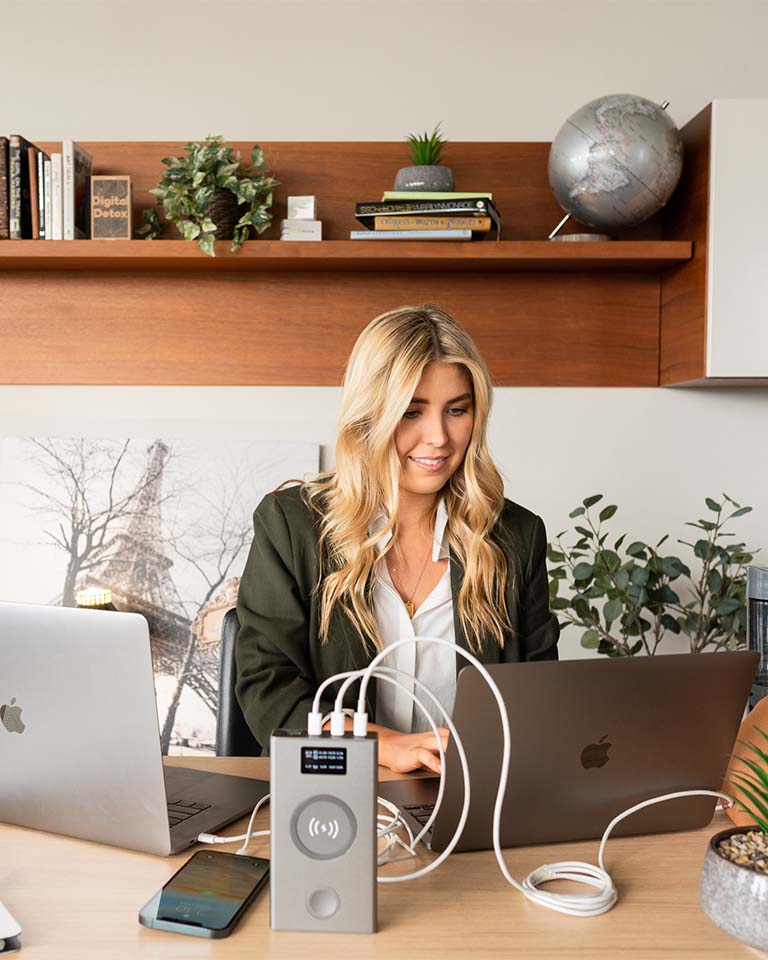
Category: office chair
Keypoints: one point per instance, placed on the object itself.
(233, 737)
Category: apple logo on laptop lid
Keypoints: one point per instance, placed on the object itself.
(596, 754)
(10, 715)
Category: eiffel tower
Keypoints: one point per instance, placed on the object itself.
(135, 568)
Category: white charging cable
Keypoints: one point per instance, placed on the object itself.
(580, 905)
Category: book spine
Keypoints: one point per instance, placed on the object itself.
(34, 202)
(4, 231)
(410, 235)
(469, 207)
(48, 199)
(57, 199)
(41, 192)
(16, 190)
(409, 195)
(476, 224)
(68, 190)
(81, 192)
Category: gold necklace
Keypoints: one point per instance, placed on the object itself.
(409, 605)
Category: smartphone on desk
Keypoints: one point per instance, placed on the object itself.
(208, 896)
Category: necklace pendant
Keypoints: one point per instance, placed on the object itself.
(410, 608)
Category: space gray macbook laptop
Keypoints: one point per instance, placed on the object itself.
(590, 738)
(79, 740)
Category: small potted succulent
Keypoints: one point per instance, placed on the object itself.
(734, 878)
(427, 173)
(209, 196)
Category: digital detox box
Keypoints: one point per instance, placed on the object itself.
(111, 201)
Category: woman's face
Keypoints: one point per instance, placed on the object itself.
(436, 428)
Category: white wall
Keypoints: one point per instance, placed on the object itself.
(180, 69)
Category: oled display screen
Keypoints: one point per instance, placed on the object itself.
(210, 889)
(324, 760)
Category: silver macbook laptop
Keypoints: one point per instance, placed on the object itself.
(590, 738)
(79, 740)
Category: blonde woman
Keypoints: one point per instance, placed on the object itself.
(409, 535)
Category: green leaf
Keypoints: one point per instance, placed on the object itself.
(713, 504)
(584, 532)
(639, 576)
(591, 501)
(636, 549)
(559, 603)
(622, 579)
(714, 581)
(741, 512)
(671, 567)
(590, 640)
(668, 595)
(581, 607)
(554, 556)
(206, 244)
(727, 606)
(607, 512)
(612, 610)
(701, 549)
(608, 560)
(619, 542)
(583, 571)
(578, 512)
(189, 229)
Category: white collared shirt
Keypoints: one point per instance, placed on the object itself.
(431, 664)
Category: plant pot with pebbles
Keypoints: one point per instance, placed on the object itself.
(734, 884)
(734, 879)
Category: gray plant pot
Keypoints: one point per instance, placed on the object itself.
(735, 897)
(436, 179)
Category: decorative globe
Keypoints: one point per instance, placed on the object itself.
(616, 161)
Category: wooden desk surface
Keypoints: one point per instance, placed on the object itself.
(80, 900)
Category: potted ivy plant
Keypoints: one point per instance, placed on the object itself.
(627, 604)
(734, 878)
(426, 172)
(209, 196)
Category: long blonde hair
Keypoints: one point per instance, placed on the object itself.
(383, 371)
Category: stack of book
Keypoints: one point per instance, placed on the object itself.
(418, 215)
(43, 197)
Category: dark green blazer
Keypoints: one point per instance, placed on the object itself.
(280, 659)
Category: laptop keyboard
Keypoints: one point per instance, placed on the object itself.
(181, 810)
(421, 812)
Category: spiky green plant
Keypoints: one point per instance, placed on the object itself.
(755, 786)
(427, 149)
(187, 188)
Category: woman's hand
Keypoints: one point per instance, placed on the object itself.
(404, 752)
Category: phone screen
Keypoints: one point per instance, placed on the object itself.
(210, 889)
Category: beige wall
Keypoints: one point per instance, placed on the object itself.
(336, 70)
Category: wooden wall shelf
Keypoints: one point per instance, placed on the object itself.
(341, 255)
(284, 313)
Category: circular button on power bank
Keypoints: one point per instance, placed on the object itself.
(323, 903)
(323, 828)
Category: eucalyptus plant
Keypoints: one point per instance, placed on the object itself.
(191, 184)
(627, 604)
(427, 149)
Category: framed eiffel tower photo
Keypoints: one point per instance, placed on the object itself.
(163, 525)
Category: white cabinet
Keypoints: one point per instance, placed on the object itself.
(737, 235)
